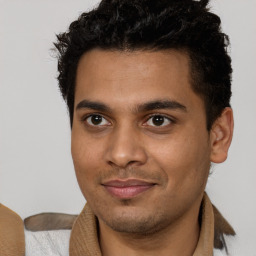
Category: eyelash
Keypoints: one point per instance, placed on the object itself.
(171, 120)
(85, 118)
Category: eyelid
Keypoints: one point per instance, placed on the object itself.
(85, 117)
(170, 119)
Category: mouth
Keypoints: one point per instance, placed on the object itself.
(126, 189)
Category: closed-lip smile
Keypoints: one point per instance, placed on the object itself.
(125, 189)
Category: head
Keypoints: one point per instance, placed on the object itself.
(147, 84)
(185, 25)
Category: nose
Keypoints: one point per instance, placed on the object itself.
(125, 148)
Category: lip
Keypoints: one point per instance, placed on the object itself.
(125, 189)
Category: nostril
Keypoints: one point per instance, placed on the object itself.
(132, 162)
(123, 165)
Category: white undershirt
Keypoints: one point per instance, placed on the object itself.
(47, 243)
(56, 243)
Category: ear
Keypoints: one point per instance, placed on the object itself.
(221, 136)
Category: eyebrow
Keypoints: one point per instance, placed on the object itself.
(93, 105)
(161, 104)
(148, 106)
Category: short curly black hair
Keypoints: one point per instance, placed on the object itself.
(130, 25)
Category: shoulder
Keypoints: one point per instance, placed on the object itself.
(12, 240)
(236, 246)
(48, 234)
(227, 242)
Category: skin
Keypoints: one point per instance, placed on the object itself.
(173, 157)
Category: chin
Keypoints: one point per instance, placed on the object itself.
(134, 222)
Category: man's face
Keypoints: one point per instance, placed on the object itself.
(140, 146)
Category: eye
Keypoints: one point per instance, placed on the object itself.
(96, 120)
(158, 120)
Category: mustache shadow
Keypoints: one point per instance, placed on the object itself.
(131, 173)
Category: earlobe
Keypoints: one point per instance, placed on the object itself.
(221, 136)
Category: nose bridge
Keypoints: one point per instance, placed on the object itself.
(125, 146)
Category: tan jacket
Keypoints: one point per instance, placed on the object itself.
(84, 240)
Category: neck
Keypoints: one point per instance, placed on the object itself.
(180, 238)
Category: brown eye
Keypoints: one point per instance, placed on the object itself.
(158, 120)
(97, 120)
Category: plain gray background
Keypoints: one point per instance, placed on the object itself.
(36, 170)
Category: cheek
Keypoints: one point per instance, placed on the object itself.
(184, 159)
(86, 159)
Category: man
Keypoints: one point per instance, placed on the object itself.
(147, 84)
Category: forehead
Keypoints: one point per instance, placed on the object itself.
(137, 76)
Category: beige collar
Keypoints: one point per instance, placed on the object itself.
(206, 237)
(84, 239)
(12, 239)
